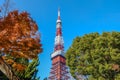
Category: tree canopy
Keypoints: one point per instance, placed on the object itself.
(19, 35)
(19, 38)
(95, 55)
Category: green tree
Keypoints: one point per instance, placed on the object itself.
(95, 55)
(30, 73)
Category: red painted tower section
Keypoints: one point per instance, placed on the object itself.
(59, 71)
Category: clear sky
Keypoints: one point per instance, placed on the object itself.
(79, 17)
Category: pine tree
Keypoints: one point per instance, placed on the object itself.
(30, 73)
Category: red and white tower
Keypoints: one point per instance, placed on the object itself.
(59, 70)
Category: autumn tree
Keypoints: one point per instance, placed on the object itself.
(95, 55)
(19, 38)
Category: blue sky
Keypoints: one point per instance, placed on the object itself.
(79, 17)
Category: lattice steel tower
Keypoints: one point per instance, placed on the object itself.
(59, 70)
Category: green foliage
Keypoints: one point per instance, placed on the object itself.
(95, 55)
(30, 72)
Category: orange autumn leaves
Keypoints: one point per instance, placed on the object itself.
(19, 38)
(19, 35)
(16, 66)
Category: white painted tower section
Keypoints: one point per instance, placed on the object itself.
(59, 42)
